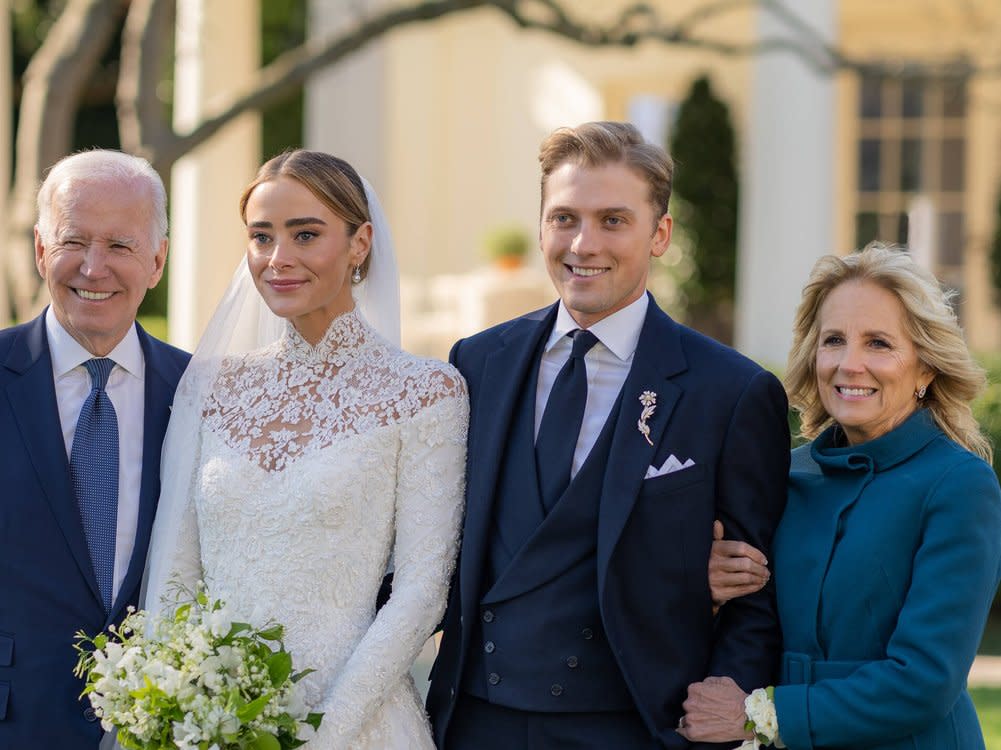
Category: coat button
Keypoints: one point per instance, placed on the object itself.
(489, 647)
(493, 678)
(488, 615)
(556, 690)
(90, 714)
(587, 633)
(572, 662)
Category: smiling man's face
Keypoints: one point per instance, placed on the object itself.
(99, 261)
(597, 235)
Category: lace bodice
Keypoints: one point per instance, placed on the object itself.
(293, 399)
(317, 466)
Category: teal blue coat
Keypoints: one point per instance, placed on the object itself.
(886, 562)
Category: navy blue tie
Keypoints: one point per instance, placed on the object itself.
(561, 421)
(94, 470)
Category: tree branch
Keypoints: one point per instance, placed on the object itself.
(145, 44)
(274, 81)
(635, 24)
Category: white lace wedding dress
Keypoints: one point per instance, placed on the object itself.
(316, 464)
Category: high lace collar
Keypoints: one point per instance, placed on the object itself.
(346, 335)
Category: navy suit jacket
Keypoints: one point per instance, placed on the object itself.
(713, 406)
(48, 589)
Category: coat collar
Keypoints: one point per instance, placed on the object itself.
(880, 454)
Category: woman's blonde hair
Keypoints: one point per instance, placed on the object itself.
(929, 321)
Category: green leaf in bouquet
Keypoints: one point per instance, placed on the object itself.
(252, 710)
(314, 720)
(129, 741)
(280, 667)
(234, 699)
(182, 612)
(299, 675)
(84, 663)
(235, 628)
(264, 742)
(273, 633)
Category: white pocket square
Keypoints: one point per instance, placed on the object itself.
(671, 465)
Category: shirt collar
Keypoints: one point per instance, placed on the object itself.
(619, 332)
(67, 352)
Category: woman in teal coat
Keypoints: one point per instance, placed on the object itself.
(888, 555)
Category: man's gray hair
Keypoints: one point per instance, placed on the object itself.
(98, 165)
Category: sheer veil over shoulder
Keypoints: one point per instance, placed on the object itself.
(295, 474)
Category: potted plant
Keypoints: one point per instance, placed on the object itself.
(507, 246)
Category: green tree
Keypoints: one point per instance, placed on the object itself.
(705, 208)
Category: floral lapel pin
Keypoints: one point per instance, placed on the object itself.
(649, 401)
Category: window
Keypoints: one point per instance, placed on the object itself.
(912, 142)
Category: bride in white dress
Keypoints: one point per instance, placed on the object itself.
(307, 453)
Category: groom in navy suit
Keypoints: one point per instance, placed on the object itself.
(84, 400)
(605, 439)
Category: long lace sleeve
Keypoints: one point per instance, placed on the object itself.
(429, 502)
(186, 560)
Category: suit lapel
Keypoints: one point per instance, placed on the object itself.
(658, 356)
(505, 371)
(158, 394)
(33, 402)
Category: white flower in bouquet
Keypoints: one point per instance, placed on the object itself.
(199, 681)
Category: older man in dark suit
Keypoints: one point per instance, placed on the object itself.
(84, 400)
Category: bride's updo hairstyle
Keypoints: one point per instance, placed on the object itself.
(333, 181)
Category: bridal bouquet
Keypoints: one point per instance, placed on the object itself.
(199, 681)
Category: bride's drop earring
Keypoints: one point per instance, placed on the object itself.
(356, 275)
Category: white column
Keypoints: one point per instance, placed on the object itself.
(217, 48)
(787, 192)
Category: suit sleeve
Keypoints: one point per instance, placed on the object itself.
(751, 495)
(938, 630)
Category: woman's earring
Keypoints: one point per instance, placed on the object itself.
(356, 275)
(920, 392)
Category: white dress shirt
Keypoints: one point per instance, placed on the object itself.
(126, 390)
(607, 364)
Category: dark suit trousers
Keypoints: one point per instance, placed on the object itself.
(479, 725)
